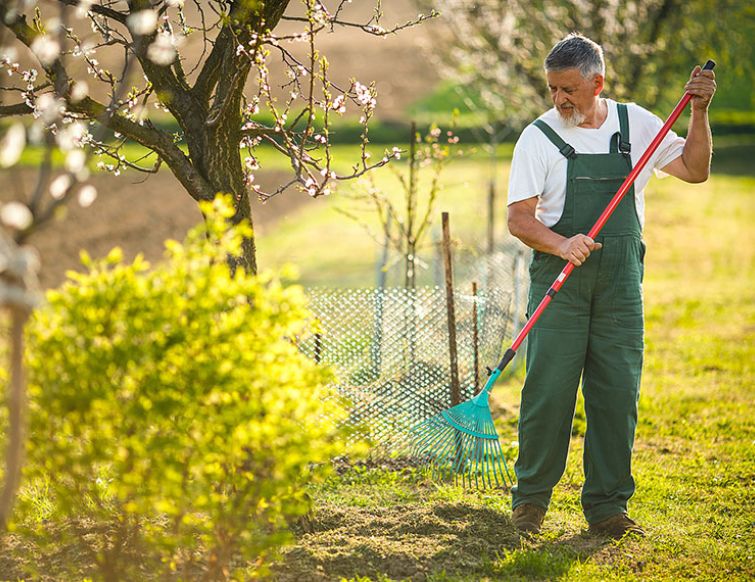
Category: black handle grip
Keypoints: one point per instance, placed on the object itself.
(709, 65)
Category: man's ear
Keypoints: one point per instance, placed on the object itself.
(598, 84)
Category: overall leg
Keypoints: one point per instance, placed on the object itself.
(555, 357)
(611, 382)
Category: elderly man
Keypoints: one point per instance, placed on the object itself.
(566, 167)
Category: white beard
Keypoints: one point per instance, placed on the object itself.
(575, 119)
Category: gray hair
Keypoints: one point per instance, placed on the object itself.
(575, 51)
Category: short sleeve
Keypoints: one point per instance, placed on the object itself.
(671, 147)
(528, 168)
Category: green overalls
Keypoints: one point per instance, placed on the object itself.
(593, 329)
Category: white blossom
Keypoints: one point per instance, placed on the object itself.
(74, 135)
(79, 91)
(30, 77)
(8, 54)
(364, 96)
(142, 22)
(162, 51)
(87, 195)
(83, 8)
(48, 108)
(175, 3)
(339, 104)
(15, 215)
(12, 145)
(59, 186)
(75, 161)
(46, 49)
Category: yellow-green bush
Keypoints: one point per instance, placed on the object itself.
(171, 404)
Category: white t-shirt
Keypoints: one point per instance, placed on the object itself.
(539, 169)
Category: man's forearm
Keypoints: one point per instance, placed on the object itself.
(536, 235)
(528, 229)
(698, 146)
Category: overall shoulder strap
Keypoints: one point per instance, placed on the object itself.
(564, 148)
(624, 144)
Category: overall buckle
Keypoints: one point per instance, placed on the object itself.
(567, 151)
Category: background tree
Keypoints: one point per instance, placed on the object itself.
(208, 98)
(494, 49)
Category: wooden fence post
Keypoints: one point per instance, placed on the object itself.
(318, 347)
(455, 390)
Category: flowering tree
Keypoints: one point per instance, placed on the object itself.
(208, 99)
(412, 212)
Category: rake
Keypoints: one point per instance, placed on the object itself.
(462, 441)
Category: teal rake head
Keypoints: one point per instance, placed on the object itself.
(462, 443)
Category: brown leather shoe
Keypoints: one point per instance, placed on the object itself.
(616, 527)
(528, 518)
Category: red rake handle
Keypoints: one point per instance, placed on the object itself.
(599, 224)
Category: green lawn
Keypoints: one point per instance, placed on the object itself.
(695, 451)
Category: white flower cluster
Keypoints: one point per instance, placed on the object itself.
(48, 108)
(365, 96)
(312, 187)
(73, 135)
(15, 215)
(251, 163)
(163, 50)
(60, 186)
(46, 49)
(82, 10)
(30, 77)
(12, 145)
(143, 22)
(85, 49)
(249, 142)
(319, 15)
(114, 169)
(339, 104)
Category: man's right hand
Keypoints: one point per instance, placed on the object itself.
(577, 248)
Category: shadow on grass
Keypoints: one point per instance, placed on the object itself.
(447, 541)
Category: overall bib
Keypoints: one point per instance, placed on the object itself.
(592, 330)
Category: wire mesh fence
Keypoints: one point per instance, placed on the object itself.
(389, 346)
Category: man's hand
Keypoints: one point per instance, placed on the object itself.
(577, 248)
(702, 86)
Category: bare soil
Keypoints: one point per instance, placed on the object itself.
(130, 212)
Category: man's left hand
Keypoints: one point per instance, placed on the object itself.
(702, 86)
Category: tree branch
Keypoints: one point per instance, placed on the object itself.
(15, 109)
(167, 85)
(26, 34)
(101, 10)
(152, 138)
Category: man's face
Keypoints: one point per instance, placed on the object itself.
(573, 96)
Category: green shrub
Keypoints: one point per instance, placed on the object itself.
(172, 415)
